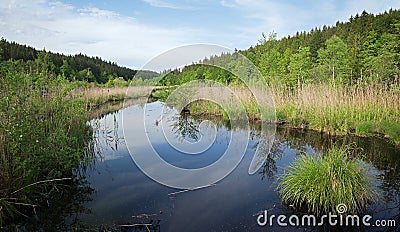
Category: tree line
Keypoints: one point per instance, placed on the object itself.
(366, 47)
(77, 67)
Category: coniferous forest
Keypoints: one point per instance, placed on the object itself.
(77, 67)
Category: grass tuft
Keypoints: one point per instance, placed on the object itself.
(317, 184)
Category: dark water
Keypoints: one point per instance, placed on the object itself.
(123, 195)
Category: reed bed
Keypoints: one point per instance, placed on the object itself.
(99, 95)
(43, 137)
(219, 101)
(360, 109)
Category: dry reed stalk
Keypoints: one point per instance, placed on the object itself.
(347, 104)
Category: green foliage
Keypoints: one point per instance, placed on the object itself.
(204, 71)
(85, 75)
(300, 66)
(390, 128)
(334, 58)
(43, 136)
(66, 71)
(381, 56)
(318, 184)
(365, 128)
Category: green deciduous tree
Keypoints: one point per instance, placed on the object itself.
(66, 70)
(300, 66)
(334, 59)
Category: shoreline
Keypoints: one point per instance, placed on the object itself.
(305, 128)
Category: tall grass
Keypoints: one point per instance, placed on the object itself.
(97, 95)
(43, 139)
(218, 101)
(318, 184)
(361, 108)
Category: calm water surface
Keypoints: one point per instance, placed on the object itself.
(123, 194)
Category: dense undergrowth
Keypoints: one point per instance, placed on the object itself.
(44, 138)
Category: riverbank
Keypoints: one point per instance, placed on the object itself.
(95, 96)
(361, 110)
(44, 138)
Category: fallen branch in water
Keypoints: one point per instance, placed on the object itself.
(187, 190)
(134, 225)
(40, 182)
(144, 215)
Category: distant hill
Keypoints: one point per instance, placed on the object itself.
(73, 67)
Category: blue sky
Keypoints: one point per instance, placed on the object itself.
(131, 32)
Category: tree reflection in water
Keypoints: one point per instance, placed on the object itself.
(185, 127)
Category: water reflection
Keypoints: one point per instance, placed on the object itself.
(124, 193)
(186, 127)
(63, 212)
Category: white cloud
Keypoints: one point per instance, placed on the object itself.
(165, 4)
(289, 17)
(63, 28)
(227, 4)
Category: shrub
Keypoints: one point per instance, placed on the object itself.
(43, 137)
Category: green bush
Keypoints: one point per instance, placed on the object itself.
(43, 136)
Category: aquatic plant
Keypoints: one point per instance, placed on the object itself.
(319, 183)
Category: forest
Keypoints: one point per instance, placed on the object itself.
(77, 67)
(366, 47)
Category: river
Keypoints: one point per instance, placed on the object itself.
(122, 195)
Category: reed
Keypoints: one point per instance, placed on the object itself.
(361, 109)
(95, 96)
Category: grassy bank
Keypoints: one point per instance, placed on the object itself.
(44, 137)
(362, 109)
